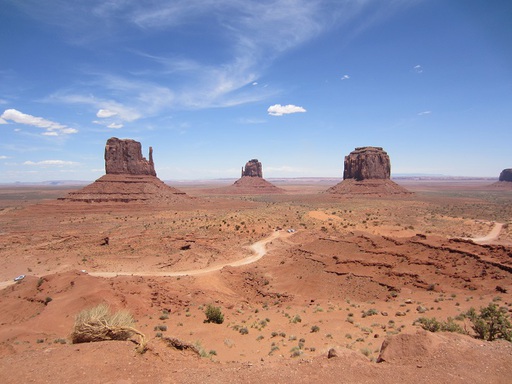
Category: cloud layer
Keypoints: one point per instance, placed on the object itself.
(51, 128)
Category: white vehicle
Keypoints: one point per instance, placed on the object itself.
(19, 278)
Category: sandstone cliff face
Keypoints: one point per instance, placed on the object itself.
(506, 175)
(253, 168)
(366, 163)
(124, 157)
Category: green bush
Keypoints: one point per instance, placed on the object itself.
(432, 325)
(492, 323)
(213, 315)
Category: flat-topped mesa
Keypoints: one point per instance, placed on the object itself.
(367, 172)
(506, 175)
(124, 157)
(252, 168)
(366, 163)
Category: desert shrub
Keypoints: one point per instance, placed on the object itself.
(370, 312)
(429, 324)
(243, 331)
(432, 325)
(98, 324)
(315, 328)
(491, 323)
(213, 315)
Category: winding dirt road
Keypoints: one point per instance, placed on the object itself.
(259, 250)
(492, 235)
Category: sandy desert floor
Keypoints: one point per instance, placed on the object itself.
(353, 273)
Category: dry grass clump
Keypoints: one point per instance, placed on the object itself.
(98, 324)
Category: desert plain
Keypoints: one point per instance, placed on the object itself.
(295, 275)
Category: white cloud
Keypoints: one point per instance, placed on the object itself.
(424, 113)
(52, 128)
(345, 77)
(280, 110)
(418, 69)
(3, 157)
(57, 163)
(115, 126)
(104, 113)
(2, 121)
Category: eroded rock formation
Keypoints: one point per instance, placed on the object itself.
(506, 175)
(367, 172)
(251, 182)
(366, 163)
(129, 178)
(124, 157)
(252, 168)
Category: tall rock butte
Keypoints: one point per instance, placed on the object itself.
(251, 182)
(125, 157)
(129, 178)
(367, 163)
(252, 168)
(367, 171)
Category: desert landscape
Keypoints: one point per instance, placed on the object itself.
(325, 281)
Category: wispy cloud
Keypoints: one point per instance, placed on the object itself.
(280, 110)
(51, 128)
(104, 113)
(3, 157)
(249, 36)
(424, 113)
(345, 77)
(418, 69)
(46, 163)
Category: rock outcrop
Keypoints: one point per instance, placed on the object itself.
(124, 157)
(506, 175)
(505, 180)
(252, 168)
(129, 178)
(365, 163)
(251, 182)
(367, 171)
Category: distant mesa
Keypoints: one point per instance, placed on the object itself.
(506, 175)
(129, 178)
(250, 183)
(505, 180)
(367, 171)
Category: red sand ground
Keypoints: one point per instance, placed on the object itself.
(312, 291)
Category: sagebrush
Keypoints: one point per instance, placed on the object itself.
(99, 324)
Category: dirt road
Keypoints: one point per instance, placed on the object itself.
(492, 235)
(259, 249)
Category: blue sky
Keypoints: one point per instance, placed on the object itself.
(297, 84)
